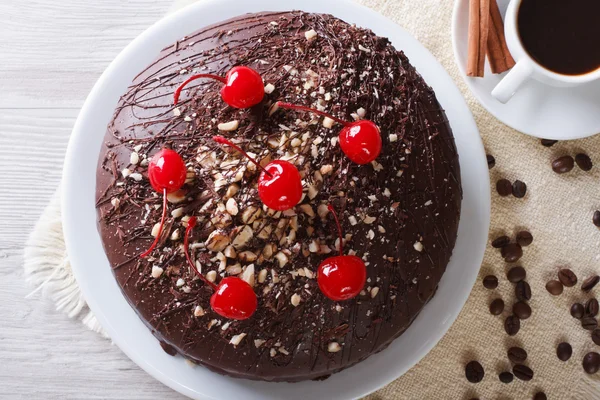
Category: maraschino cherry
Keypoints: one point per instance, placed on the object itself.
(279, 184)
(167, 173)
(341, 277)
(359, 140)
(243, 88)
(234, 298)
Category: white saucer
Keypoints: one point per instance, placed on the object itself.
(536, 109)
(94, 275)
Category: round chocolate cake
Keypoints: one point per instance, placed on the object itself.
(398, 213)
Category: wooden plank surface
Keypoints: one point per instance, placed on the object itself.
(51, 53)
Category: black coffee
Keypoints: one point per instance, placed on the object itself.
(562, 35)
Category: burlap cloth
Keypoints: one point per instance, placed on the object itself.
(557, 210)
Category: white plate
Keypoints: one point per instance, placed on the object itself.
(536, 109)
(94, 274)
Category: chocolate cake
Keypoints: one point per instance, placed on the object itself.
(399, 213)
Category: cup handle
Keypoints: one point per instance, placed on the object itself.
(508, 86)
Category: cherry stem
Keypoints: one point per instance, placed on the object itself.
(186, 242)
(162, 223)
(312, 110)
(193, 78)
(339, 227)
(222, 140)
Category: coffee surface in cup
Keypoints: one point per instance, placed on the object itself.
(562, 35)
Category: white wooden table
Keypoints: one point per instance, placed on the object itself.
(51, 53)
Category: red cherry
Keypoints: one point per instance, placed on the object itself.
(279, 184)
(359, 140)
(341, 277)
(234, 298)
(167, 171)
(243, 88)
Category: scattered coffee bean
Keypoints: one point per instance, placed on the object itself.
(496, 307)
(519, 189)
(516, 274)
(577, 310)
(548, 142)
(591, 308)
(563, 164)
(584, 161)
(596, 336)
(540, 396)
(523, 291)
(589, 283)
(589, 323)
(567, 277)
(506, 377)
(474, 372)
(504, 187)
(596, 218)
(591, 362)
(523, 372)
(500, 242)
(522, 310)
(524, 238)
(564, 351)
(517, 355)
(512, 252)
(555, 288)
(512, 325)
(491, 161)
(490, 282)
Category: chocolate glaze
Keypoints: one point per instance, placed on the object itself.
(413, 191)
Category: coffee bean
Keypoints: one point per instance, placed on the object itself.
(540, 396)
(589, 323)
(523, 291)
(522, 310)
(517, 355)
(519, 189)
(512, 325)
(567, 277)
(512, 252)
(548, 142)
(504, 187)
(474, 372)
(577, 310)
(500, 242)
(589, 283)
(584, 161)
(496, 307)
(591, 308)
(523, 372)
(516, 274)
(506, 377)
(554, 287)
(490, 282)
(564, 351)
(563, 164)
(591, 362)
(596, 336)
(524, 238)
(596, 218)
(491, 161)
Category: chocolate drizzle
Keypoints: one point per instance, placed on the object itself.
(412, 191)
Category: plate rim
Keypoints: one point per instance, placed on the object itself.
(70, 192)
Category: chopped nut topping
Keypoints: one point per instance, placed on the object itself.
(352, 220)
(326, 169)
(328, 122)
(281, 258)
(272, 352)
(230, 252)
(247, 256)
(418, 246)
(228, 126)
(232, 207)
(248, 275)
(155, 229)
(136, 176)
(176, 112)
(178, 212)
(374, 292)
(237, 339)
(269, 88)
(175, 235)
(115, 202)
(322, 210)
(234, 269)
(369, 220)
(333, 347)
(381, 229)
(198, 311)
(134, 158)
(262, 275)
(232, 190)
(393, 137)
(259, 342)
(310, 35)
(218, 240)
(156, 272)
(295, 299)
(211, 276)
(243, 237)
(176, 197)
(361, 112)
(370, 234)
(307, 209)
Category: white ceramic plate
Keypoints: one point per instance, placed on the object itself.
(94, 274)
(536, 109)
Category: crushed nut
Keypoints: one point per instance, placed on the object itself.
(136, 176)
(134, 158)
(230, 252)
(176, 197)
(231, 191)
(374, 292)
(259, 342)
(418, 246)
(237, 339)
(369, 220)
(232, 207)
(393, 137)
(211, 276)
(307, 209)
(281, 258)
(328, 122)
(178, 212)
(247, 256)
(370, 234)
(175, 235)
(326, 169)
(352, 220)
(155, 229)
(156, 272)
(248, 275)
(228, 126)
(310, 35)
(198, 311)
(243, 237)
(361, 112)
(218, 240)
(333, 347)
(262, 275)
(295, 300)
(269, 88)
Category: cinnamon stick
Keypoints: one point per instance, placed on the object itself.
(497, 51)
(479, 23)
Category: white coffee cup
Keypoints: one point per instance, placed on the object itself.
(526, 67)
